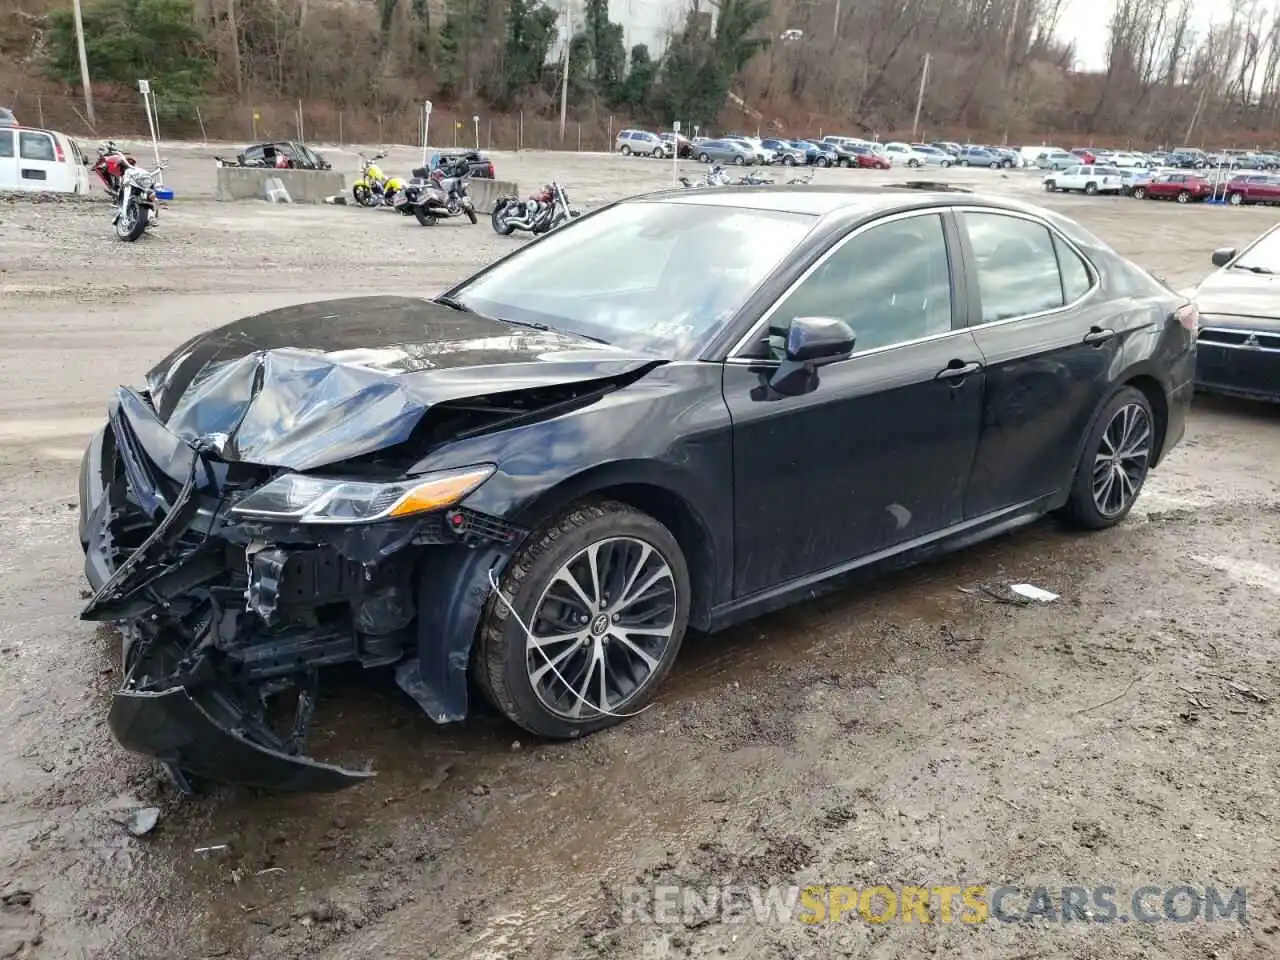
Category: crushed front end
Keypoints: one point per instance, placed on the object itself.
(230, 600)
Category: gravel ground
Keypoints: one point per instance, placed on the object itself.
(905, 733)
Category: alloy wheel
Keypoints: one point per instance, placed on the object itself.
(1121, 462)
(601, 628)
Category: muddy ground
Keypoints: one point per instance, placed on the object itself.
(903, 733)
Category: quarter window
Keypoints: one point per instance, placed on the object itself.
(1016, 265)
(890, 283)
(1076, 279)
(35, 146)
(6, 143)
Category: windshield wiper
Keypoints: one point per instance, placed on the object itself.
(453, 303)
(1263, 270)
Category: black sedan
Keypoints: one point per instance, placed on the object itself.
(1239, 347)
(534, 484)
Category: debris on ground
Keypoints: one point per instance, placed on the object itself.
(141, 822)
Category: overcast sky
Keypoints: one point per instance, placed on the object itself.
(1086, 22)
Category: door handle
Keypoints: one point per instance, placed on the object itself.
(1098, 336)
(957, 370)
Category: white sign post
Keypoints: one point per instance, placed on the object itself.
(426, 122)
(675, 153)
(144, 87)
(475, 119)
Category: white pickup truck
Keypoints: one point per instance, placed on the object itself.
(1086, 178)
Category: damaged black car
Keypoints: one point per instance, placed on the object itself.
(682, 410)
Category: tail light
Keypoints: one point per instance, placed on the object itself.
(58, 155)
(1189, 317)
(492, 175)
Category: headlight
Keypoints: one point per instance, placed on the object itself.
(297, 498)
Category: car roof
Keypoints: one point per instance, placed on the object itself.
(822, 201)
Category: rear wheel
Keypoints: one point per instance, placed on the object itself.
(499, 219)
(1050, 186)
(788, 160)
(823, 162)
(739, 161)
(995, 164)
(1184, 196)
(604, 591)
(1091, 188)
(913, 162)
(625, 151)
(362, 196)
(1235, 199)
(471, 215)
(425, 218)
(1116, 460)
(1140, 193)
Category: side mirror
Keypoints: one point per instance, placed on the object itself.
(817, 341)
(812, 342)
(1223, 256)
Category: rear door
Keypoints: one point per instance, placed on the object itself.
(1048, 351)
(37, 160)
(8, 159)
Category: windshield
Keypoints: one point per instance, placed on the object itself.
(649, 276)
(1263, 256)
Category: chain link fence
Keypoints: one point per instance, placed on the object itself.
(217, 121)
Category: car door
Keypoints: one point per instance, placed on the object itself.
(37, 160)
(1047, 344)
(880, 452)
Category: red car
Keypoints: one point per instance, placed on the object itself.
(1086, 155)
(1253, 188)
(1183, 187)
(868, 160)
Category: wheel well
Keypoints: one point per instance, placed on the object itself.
(1154, 393)
(674, 513)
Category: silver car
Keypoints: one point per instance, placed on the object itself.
(726, 151)
(641, 143)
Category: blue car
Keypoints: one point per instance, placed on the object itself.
(979, 157)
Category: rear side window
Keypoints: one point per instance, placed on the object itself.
(36, 146)
(1016, 265)
(6, 143)
(1076, 279)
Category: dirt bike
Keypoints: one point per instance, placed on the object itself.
(110, 167)
(136, 207)
(544, 211)
(373, 188)
(443, 197)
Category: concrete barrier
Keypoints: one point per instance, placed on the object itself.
(304, 186)
(485, 193)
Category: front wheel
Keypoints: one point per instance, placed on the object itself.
(1235, 199)
(739, 161)
(470, 211)
(1050, 186)
(995, 164)
(913, 163)
(1184, 196)
(1117, 457)
(362, 195)
(603, 590)
(1139, 193)
(132, 222)
(964, 163)
(704, 158)
(1091, 189)
(625, 151)
(822, 162)
(946, 164)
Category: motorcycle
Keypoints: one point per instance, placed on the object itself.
(136, 207)
(373, 188)
(544, 211)
(802, 180)
(754, 180)
(110, 167)
(442, 197)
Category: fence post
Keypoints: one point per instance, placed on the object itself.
(40, 108)
(520, 133)
(340, 140)
(579, 137)
(489, 135)
(300, 136)
(204, 136)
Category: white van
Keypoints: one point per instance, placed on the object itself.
(41, 160)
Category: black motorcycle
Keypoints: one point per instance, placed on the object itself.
(544, 211)
(437, 198)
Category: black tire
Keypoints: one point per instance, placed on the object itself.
(625, 151)
(913, 162)
(1139, 193)
(739, 160)
(1184, 196)
(134, 228)
(964, 163)
(500, 660)
(704, 158)
(842, 162)
(1051, 186)
(1082, 509)
(995, 164)
(499, 220)
(946, 164)
(822, 162)
(788, 160)
(424, 218)
(360, 193)
(1235, 199)
(471, 215)
(1091, 188)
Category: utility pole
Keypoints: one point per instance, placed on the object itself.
(1186, 141)
(84, 63)
(836, 29)
(564, 80)
(924, 78)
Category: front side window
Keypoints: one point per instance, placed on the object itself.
(36, 146)
(891, 283)
(657, 277)
(1016, 265)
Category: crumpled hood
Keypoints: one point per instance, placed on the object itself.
(1239, 293)
(319, 383)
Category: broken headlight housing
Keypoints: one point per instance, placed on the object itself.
(298, 498)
